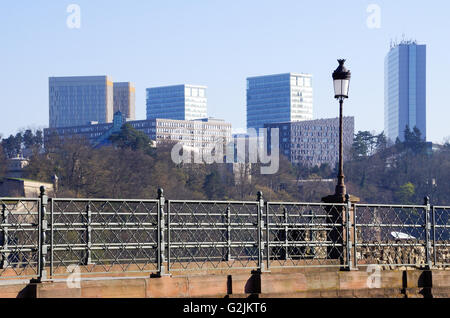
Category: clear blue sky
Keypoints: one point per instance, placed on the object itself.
(218, 44)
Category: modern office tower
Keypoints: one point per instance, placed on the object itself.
(125, 100)
(313, 142)
(79, 100)
(279, 98)
(405, 89)
(179, 102)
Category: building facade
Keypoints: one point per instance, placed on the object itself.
(78, 100)
(279, 98)
(202, 134)
(313, 142)
(179, 102)
(405, 89)
(125, 99)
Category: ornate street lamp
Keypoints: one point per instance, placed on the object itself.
(341, 80)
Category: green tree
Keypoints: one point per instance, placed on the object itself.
(381, 142)
(406, 193)
(413, 140)
(12, 145)
(213, 185)
(364, 144)
(39, 138)
(128, 137)
(18, 143)
(2, 162)
(28, 138)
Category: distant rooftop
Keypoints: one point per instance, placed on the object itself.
(395, 43)
(303, 122)
(178, 85)
(290, 73)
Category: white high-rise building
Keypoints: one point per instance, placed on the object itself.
(179, 102)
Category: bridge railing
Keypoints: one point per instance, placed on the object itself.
(402, 235)
(50, 238)
(19, 237)
(305, 235)
(102, 236)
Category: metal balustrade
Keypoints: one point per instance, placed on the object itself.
(391, 235)
(440, 235)
(49, 238)
(305, 234)
(19, 237)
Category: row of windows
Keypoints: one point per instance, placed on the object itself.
(314, 152)
(313, 160)
(194, 92)
(202, 126)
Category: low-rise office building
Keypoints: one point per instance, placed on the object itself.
(313, 142)
(202, 134)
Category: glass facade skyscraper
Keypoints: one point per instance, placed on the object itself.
(78, 100)
(279, 98)
(179, 102)
(125, 100)
(405, 89)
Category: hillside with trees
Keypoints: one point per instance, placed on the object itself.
(131, 168)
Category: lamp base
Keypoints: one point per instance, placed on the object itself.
(338, 198)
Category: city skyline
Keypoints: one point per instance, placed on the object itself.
(265, 39)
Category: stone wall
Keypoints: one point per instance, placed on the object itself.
(394, 254)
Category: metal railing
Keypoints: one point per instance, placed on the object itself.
(440, 235)
(102, 235)
(19, 237)
(402, 235)
(305, 234)
(49, 238)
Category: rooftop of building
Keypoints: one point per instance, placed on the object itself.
(395, 43)
(77, 78)
(309, 121)
(123, 84)
(208, 119)
(272, 75)
(178, 85)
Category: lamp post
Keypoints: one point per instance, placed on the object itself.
(341, 80)
(341, 214)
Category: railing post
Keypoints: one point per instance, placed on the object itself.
(161, 234)
(427, 233)
(43, 225)
(261, 265)
(88, 257)
(286, 234)
(5, 255)
(267, 237)
(355, 237)
(434, 236)
(229, 258)
(348, 224)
